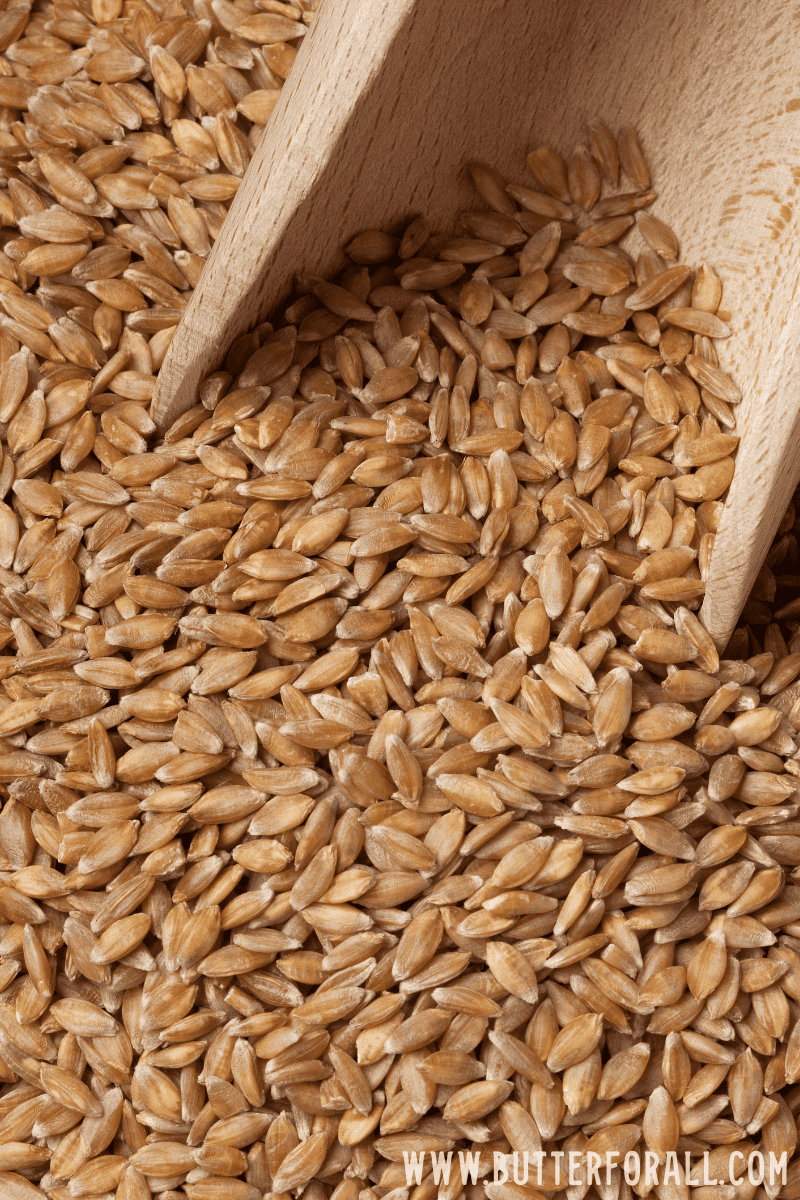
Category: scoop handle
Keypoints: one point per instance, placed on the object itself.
(292, 204)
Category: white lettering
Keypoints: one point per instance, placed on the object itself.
(672, 1170)
(777, 1167)
(650, 1168)
(470, 1163)
(755, 1168)
(441, 1166)
(575, 1157)
(612, 1158)
(632, 1167)
(413, 1164)
(515, 1172)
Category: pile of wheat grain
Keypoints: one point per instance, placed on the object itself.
(371, 784)
(125, 130)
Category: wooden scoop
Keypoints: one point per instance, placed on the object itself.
(390, 100)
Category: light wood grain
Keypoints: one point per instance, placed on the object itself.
(391, 98)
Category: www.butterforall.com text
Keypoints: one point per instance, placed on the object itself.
(575, 1167)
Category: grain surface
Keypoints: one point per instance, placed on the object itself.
(370, 783)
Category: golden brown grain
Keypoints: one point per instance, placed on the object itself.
(369, 781)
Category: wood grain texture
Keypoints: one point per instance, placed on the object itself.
(390, 100)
